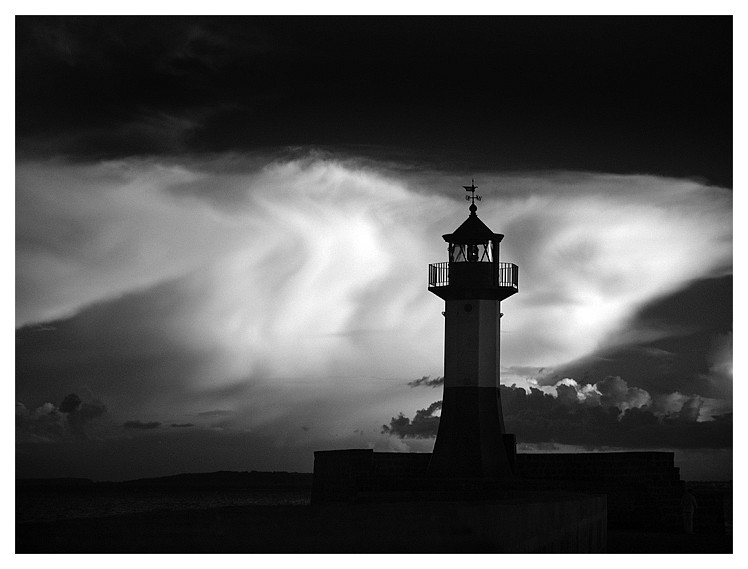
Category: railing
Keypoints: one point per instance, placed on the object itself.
(507, 275)
(439, 274)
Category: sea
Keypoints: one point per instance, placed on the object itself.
(49, 505)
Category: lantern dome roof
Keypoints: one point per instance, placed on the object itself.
(472, 230)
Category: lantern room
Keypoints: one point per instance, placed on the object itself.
(473, 269)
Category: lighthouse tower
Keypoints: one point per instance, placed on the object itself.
(471, 437)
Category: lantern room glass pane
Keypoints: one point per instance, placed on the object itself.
(473, 253)
(457, 253)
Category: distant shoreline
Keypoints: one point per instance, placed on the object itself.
(218, 479)
(232, 479)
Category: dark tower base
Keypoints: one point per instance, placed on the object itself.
(471, 442)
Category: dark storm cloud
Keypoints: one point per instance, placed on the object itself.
(426, 381)
(130, 85)
(606, 94)
(619, 416)
(141, 425)
(423, 425)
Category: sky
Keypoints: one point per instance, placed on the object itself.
(224, 225)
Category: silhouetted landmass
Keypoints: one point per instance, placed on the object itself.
(220, 479)
(36, 483)
(224, 479)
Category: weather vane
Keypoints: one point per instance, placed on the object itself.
(471, 188)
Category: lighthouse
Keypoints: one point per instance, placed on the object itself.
(471, 441)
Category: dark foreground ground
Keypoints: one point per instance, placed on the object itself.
(632, 542)
(252, 512)
(279, 529)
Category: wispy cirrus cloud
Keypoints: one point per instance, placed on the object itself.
(591, 253)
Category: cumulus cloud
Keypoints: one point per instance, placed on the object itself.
(44, 424)
(615, 392)
(541, 417)
(672, 404)
(423, 425)
(608, 413)
(49, 423)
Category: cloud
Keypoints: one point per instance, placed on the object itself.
(424, 424)
(70, 404)
(183, 285)
(615, 392)
(141, 425)
(79, 412)
(281, 228)
(184, 62)
(182, 425)
(720, 364)
(426, 381)
(607, 414)
(44, 424)
(215, 413)
(689, 331)
(49, 423)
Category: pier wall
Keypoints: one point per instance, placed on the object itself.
(643, 489)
